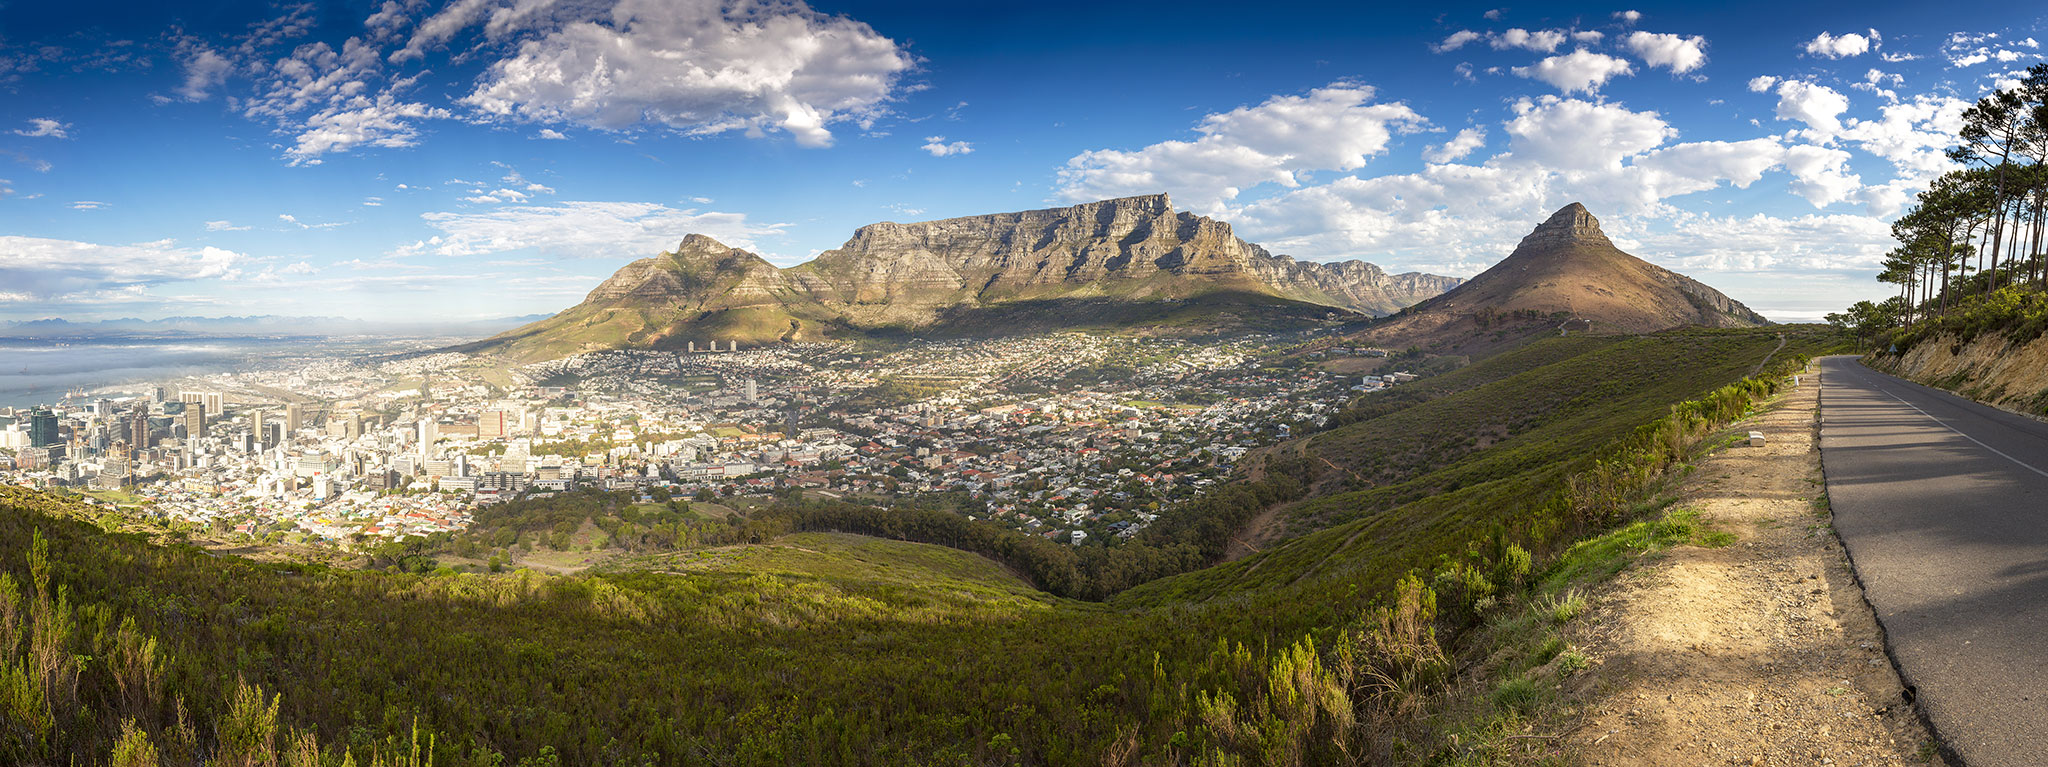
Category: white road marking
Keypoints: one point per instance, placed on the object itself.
(1944, 424)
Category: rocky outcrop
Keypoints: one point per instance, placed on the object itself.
(1133, 249)
(1571, 226)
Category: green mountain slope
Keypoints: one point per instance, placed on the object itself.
(1487, 446)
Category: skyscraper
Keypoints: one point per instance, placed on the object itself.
(753, 391)
(42, 427)
(429, 432)
(210, 399)
(256, 425)
(195, 419)
(292, 418)
(138, 429)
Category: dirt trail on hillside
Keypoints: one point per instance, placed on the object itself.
(1762, 652)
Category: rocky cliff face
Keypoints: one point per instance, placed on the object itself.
(1133, 249)
(1130, 246)
(1572, 226)
(1356, 285)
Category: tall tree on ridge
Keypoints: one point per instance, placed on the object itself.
(1994, 130)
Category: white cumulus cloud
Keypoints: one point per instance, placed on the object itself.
(1579, 71)
(696, 66)
(1833, 47)
(1819, 106)
(1540, 41)
(1674, 52)
(938, 146)
(1569, 134)
(1337, 127)
(1821, 174)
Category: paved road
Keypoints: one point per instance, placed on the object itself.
(1943, 504)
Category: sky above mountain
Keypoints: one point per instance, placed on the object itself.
(481, 158)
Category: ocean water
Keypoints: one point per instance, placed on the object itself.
(42, 371)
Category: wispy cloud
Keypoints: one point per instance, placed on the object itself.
(40, 127)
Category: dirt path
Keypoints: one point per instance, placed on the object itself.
(1762, 652)
(1270, 523)
(1782, 340)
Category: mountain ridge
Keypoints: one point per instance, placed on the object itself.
(1125, 259)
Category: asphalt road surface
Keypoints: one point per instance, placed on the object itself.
(1943, 505)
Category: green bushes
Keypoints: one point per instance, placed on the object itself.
(2017, 312)
(1191, 536)
(1490, 600)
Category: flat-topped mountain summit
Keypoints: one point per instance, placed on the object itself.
(1567, 273)
(1132, 261)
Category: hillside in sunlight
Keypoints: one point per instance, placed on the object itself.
(825, 633)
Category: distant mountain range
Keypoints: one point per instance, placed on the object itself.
(1564, 275)
(1129, 263)
(257, 325)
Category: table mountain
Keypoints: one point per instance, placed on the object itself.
(1129, 262)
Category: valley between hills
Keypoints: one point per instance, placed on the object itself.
(1090, 485)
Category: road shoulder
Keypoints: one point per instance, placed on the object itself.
(1762, 651)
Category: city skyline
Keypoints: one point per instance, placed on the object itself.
(441, 161)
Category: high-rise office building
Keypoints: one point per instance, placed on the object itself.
(256, 424)
(210, 399)
(42, 427)
(293, 419)
(195, 419)
(491, 425)
(429, 432)
(138, 429)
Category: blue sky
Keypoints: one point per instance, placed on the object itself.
(478, 158)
